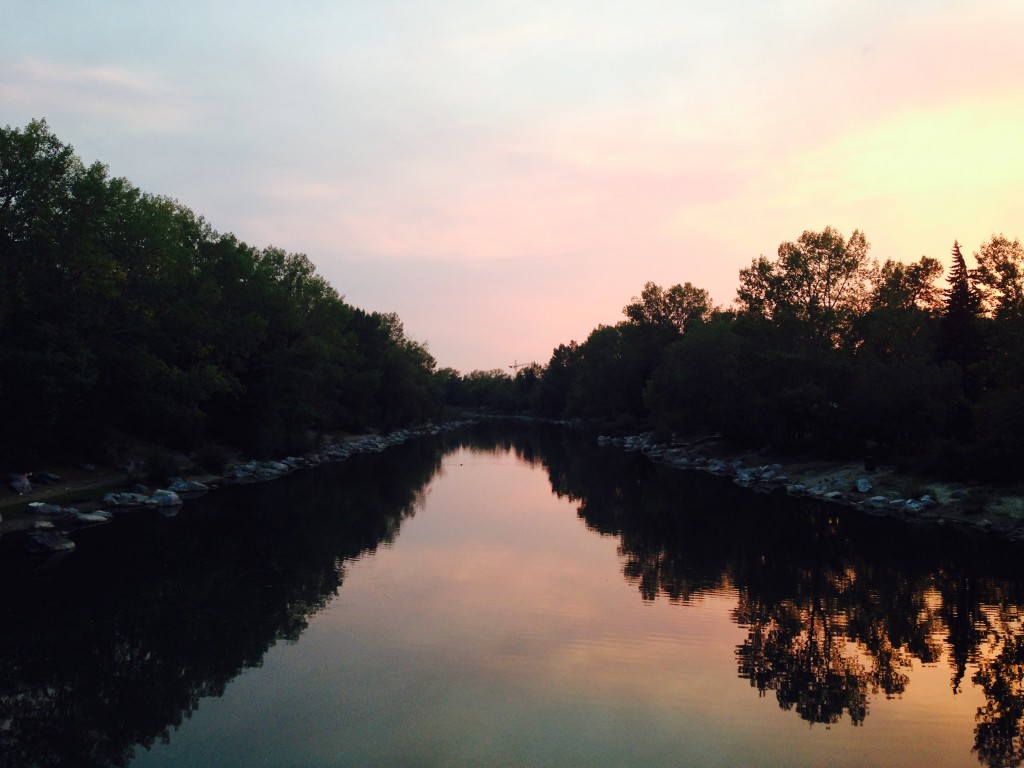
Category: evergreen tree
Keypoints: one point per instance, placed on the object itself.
(963, 302)
(960, 336)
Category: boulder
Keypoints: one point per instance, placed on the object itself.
(718, 467)
(165, 498)
(48, 541)
(20, 484)
(863, 485)
(180, 486)
(99, 516)
(42, 508)
(53, 511)
(125, 499)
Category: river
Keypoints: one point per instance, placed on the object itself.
(512, 595)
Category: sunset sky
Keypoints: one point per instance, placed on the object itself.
(507, 175)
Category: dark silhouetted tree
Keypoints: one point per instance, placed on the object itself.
(1000, 276)
(960, 339)
(679, 307)
(813, 288)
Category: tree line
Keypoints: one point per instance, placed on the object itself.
(125, 312)
(824, 350)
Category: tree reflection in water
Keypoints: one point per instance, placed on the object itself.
(117, 645)
(837, 605)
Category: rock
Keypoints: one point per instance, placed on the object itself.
(45, 478)
(140, 489)
(99, 516)
(20, 484)
(51, 510)
(928, 502)
(48, 541)
(796, 489)
(863, 485)
(125, 499)
(913, 507)
(42, 508)
(717, 466)
(165, 498)
(187, 486)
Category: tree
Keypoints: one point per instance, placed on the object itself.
(813, 288)
(962, 298)
(556, 383)
(908, 286)
(904, 303)
(960, 339)
(612, 368)
(125, 311)
(679, 307)
(1000, 275)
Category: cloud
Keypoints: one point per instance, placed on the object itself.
(67, 92)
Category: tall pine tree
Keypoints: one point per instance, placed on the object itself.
(963, 302)
(960, 339)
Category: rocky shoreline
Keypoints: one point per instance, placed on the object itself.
(877, 491)
(47, 527)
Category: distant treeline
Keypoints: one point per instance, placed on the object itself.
(824, 350)
(124, 312)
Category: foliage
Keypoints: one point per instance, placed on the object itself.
(812, 289)
(680, 307)
(1000, 276)
(827, 351)
(121, 310)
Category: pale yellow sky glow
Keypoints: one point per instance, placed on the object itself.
(531, 166)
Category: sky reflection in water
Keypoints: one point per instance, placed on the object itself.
(498, 630)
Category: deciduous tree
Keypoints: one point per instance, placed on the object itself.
(813, 288)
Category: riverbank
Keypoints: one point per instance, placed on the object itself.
(880, 490)
(84, 488)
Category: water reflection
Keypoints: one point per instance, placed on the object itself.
(111, 649)
(837, 606)
(114, 647)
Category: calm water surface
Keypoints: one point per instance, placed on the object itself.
(513, 597)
